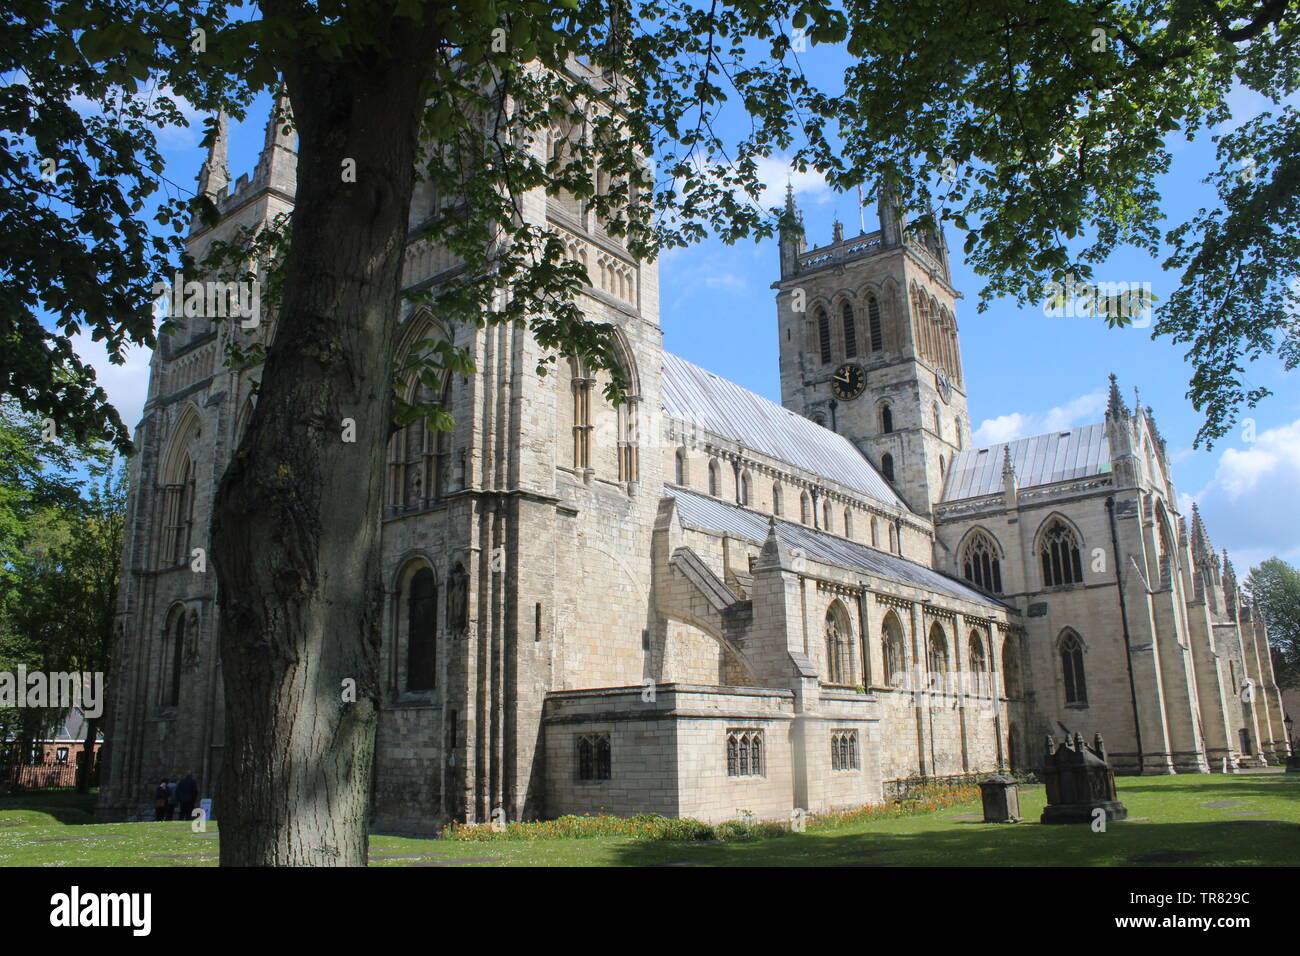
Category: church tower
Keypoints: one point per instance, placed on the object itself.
(869, 348)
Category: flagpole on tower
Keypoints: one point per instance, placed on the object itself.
(862, 218)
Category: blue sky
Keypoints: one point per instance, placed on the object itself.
(1026, 373)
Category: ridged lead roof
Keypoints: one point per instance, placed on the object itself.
(724, 408)
(710, 514)
(1041, 460)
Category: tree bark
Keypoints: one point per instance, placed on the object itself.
(87, 761)
(296, 524)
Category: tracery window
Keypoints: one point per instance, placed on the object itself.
(980, 563)
(839, 645)
(594, 761)
(744, 752)
(1059, 552)
(938, 657)
(178, 506)
(1076, 685)
(418, 456)
(844, 750)
(891, 636)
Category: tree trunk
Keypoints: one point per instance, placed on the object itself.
(87, 761)
(296, 523)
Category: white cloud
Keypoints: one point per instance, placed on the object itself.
(1082, 410)
(775, 172)
(127, 385)
(1248, 504)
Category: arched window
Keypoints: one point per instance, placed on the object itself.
(980, 563)
(422, 631)
(1010, 667)
(886, 419)
(776, 498)
(839, 644)
(893, 537)
(715, 478)
(850, 332)
(826, 516)
(1059, 552)
(938, 421)
(174, 651)
(848, 522)
(177, 474)
(873, 319)
(875, 532)
(824, 336)
(680, 474)
(938, 656)
(418, 455)
(978, 663)
(602, 435)
(891, 636)
(744, 488)
(805, 508)
(943, 468)
(1076, 685)
(887, 466)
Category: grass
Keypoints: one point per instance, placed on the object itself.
(1260, 827)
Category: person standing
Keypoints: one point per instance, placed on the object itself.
(160, 802)
(187, 792)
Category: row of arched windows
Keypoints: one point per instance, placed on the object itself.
(936, 333)
(1059, 553)
(849, 325)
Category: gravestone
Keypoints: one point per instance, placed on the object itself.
(1079, 782)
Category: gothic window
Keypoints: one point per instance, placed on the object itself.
(938, 656)
(178, 504)
(824, 336)
(839, 645)
(1076, 686)
(848, 522)
(776, 498)
(175, 639)
(886, 419)
(1010, 668)
(893, 538)
(850, 332)
(805, 508)
(422, 631)
(418, 456)
(887, 466)
(875, 532)
(1059, 552)
(826, 516)
(594, 762)
(744, 488)
(873, 319)
(681, 466)
(715, 478)
(978, 662)
(844, 750)
(980, 563)
(744, 752)
(891, 637)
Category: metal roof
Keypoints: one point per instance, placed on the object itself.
(710, 514)
(729, 411)
(1041, 460)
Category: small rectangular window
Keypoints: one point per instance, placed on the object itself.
(745, 752)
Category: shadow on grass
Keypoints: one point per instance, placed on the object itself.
(65, 806)
(1226, 843)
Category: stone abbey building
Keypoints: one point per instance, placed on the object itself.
(700, 602)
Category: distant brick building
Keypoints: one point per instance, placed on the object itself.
(701, 602)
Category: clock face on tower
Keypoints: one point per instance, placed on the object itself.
(848, 381)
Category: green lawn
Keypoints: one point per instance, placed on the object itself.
(1246, 820)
